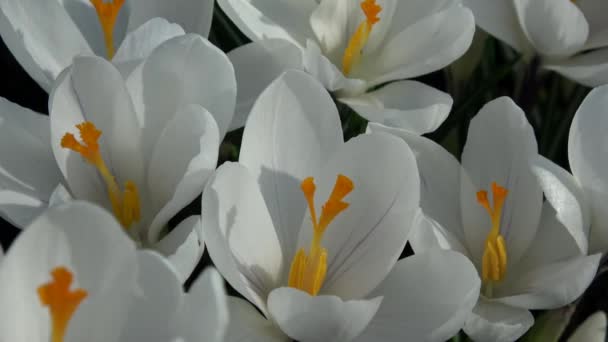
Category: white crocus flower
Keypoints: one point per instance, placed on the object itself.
(44, 36)
(142, 148)
(326, 273)
(530, 254)
(353, 47)
(571, 36)
(593, 329)
(73, 275)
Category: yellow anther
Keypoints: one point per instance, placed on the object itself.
(126, 206)
(61, 301)
(357, 41)
(308, 271)
(494, 259)
(107, 12)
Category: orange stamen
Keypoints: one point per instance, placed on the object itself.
(107, 12)
(61, 301)
(494, 260)
(357, 41)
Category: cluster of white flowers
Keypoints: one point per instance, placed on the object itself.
(306, 227)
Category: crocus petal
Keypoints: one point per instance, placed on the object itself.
(183, 246)
(566, 198)
(593, 329)
(426, 46)
(427, 297)
(554, 27)
(500, 19)
(364, 242)
(256, 65)
(269, 19)
(293, 129)
(326, 72)
(93, 90)
(552, 286)
(492, 321)
(90, 244)
(598, 29)
(151, 314)
(589, 69)
(553, 243)
(42, 36)
(183, 159)
(139, 43)
(60, 196)
(193, 16)
(439, 175)
(204, 315)
(173, 76)
(410, 105)
(27, 178)
(247, 324)
(499, 148)
(321, 318)
(333, 22)
(589, 161)
(239, 233)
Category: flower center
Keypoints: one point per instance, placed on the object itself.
(125, 204)
(61, 301)
(352, 54)
(494, 260)
(107, 11)
(308, 270)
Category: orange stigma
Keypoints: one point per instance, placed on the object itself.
(125, 204)
(357, 42)
(494, 260)
(107, 12)
(308, 271)
(61, 301)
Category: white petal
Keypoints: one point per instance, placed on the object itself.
(554, 27)
(247, 324)
(93, 90)
(409, 105)
(598, 28)
(589, 69)
(566, 198)
(139, 43)
(60, 196)
(426, 46)
(364, 242)
(321, 318)
(334, 22)
(554, 285)
(90, 244)
(592, 330)
(491, 321)
(204, 315)
(27, 178)
(427, 297)
(184, 157)
(589, 161)
(499, 148)
(193, 16)
(151, 314)
(293, 129)
(239, 233)
(332, 78)
(183, 246)
(500, 19)
(182, 71)
(439, 175)
(42, 37)
(267, 19)
(256, 65)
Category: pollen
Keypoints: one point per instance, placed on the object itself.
(308, 270)
(125, 204)
(356, 43)
(107, 12)
(494, 259)
(61, 301)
